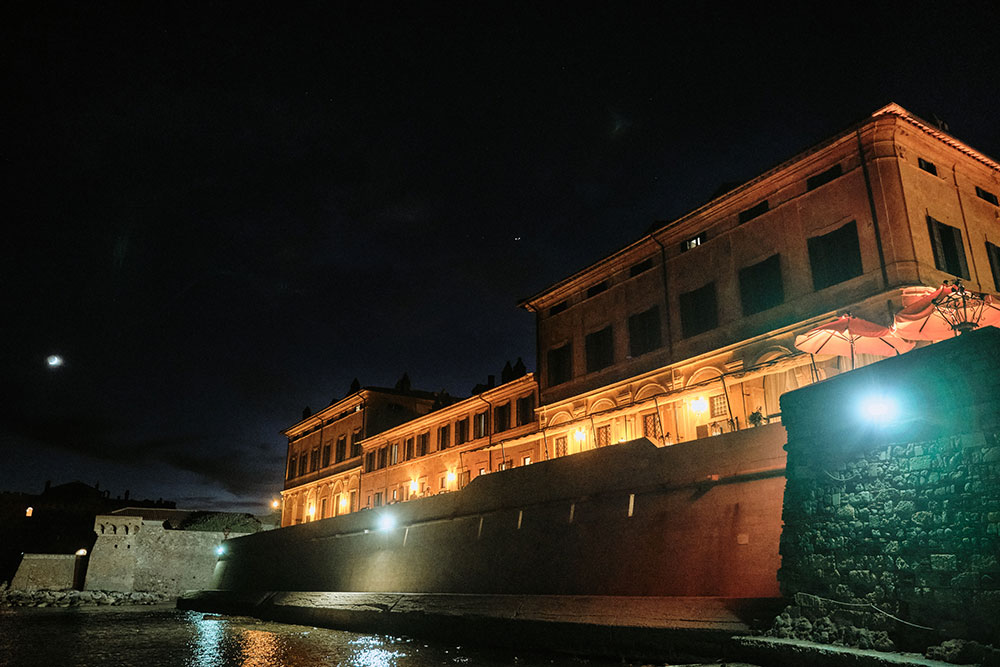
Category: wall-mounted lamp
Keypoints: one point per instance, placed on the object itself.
(580, 435)
(699, 405)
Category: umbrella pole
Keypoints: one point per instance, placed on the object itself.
(812, 367)
(852, 354)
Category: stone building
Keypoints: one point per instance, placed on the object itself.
(689, 331)
(323, 466)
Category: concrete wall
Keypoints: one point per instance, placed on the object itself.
(136, 555)
(903, 516)
(45, 572)
(705, 520)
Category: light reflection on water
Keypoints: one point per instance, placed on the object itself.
(167, 637)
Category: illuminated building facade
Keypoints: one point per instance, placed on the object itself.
(323, 465)
(689, 331)
(381, 446)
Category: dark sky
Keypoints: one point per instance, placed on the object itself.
(219, 213)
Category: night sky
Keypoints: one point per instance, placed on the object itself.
(219, 213)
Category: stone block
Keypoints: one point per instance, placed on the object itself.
(946, 562)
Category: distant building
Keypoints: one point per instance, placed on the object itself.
(689, 331)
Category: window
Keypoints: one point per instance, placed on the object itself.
(291, 467)
(326, 454)
(525, 461)
(463, 478)
(394, 454)
(341, 453)
(462, 431)
(482, 471)
(717, 406)
(949, 251)
(987, 195)
(760, 285)
(408, 449)
(561, 446)
(501, 418)
(558, 308)
(927, 166)
(525, 410)
(356, 443)
(651, 425)
(597, 289)
(600, 351)
(383, 457)
(644, 332)
(378, 499)
(444, 482)
(693, 242)
(835, 257)
(698, 311)
(370, 461)
(559, 362)
(322, 509)
(480, 425)
(753, 212)
(423, 444)
(603, 436)
(303, 464)
(993, 252)
(444, 437)
(823, 177)
(641, 267)
(314, 460)
(395, 495)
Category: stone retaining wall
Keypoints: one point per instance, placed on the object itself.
(892, 526)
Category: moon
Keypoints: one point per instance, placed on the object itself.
(54, 361)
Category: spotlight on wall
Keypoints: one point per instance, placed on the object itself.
(450, 477)
(879, 408)
(386, 522)
(219, 550)
(414, 486)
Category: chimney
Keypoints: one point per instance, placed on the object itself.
(491, 381)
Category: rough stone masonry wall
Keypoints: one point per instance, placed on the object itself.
(898, 521)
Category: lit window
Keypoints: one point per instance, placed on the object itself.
(693, 243)
(718, 406)
(526, 461)
(29, 511)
